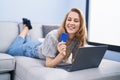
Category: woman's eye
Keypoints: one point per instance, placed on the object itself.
(69, 19)
(76, 20)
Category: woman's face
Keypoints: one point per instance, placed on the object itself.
(72, 23)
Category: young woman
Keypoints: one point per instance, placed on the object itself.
(53, 51)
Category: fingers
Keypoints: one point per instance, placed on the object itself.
(61, 47)
(60, 43)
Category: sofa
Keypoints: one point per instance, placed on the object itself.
(26, 68)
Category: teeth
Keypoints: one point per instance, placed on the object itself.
(71, 27)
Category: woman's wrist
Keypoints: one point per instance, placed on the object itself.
(62, 54)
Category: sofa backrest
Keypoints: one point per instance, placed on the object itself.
(8, 32)
(35, 32)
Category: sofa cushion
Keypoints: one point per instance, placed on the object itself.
(8, 32)
(24, 65)
(35, 32)
(7, 63)
(47, 28)
(34, 69)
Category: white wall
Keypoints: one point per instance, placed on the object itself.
(81, 4)
(42, 11)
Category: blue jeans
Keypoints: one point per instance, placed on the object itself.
(24, 47)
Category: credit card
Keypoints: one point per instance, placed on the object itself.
(63, 37)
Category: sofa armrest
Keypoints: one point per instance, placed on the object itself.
(7, 62)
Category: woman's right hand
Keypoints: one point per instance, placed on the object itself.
(61, 48)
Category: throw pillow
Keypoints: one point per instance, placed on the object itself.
(47, 28)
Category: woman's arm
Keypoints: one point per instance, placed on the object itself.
(52, 62)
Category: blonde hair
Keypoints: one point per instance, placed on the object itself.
(81, 34)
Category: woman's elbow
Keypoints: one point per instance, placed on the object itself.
(50, 65)
(50, 62)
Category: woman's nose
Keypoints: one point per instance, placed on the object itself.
(72, 23)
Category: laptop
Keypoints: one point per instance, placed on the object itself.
(86, 57)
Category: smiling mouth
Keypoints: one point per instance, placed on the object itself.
(71, 27)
